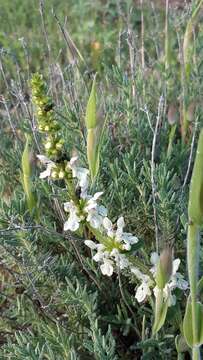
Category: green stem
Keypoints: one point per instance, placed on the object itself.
(193, 264)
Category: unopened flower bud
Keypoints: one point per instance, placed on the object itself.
(54, 152)
(164, 268)
(61, 174)
(48, 145)
(54, 174)
(59, 146)
(40, 112)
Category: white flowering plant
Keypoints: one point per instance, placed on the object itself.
(112, 251)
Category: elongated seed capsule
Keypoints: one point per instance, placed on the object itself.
(195, 208)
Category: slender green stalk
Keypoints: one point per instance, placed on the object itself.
(192, 319)
(193, 263)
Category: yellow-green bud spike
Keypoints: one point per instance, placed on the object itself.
(195, 208)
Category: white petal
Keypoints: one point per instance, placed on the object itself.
(156, 291)
(90, 244)
(180, 282)
(122, 261)
(44, 160)
(100, 247)
(176, 264)
(120, 223)
(142, 292)
(72, 223)
(107, 268)
(97, 195)
(127, 247)
(107, 224)
(91, 205)
(154, 258)
(73, 161)
(98, 256)
(129, 238)
(45, 173)
(95, 220)
(102, 210)
(69, 206)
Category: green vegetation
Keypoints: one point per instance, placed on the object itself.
(113, 87)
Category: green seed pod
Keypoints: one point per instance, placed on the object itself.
(195, 207)
(164, 268)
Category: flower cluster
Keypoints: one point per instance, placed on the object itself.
(114, 243)
(145, 289)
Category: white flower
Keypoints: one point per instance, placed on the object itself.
(101, 256)
(176, 280)
(95, 212)
(120, 259)
(107, 224)
(107, 267)
(127, 238)
(108, 254)
(50, 165)
(167, 294)
(144, 289)
(73, 221)
(142, 292)
(79, 173)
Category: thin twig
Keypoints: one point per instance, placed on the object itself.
(146, 111)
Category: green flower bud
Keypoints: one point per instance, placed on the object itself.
(164, 268)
